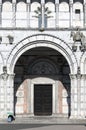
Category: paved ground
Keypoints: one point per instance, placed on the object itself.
(41, 127)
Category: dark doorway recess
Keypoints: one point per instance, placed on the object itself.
(42, 99)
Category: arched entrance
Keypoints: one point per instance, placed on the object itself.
(43, 41)
(42, 83)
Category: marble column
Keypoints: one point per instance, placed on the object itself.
(28, 15)
(71, 15)
(57, 15)
(14, 14)
(42, 13)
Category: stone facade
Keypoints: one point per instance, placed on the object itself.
(45, 49)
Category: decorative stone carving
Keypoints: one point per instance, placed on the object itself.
(42, 68)
(4, 75)
(79, 37)
(74, 48)
(78, 73)
(11, 39)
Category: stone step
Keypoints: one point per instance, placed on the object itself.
(48, 120)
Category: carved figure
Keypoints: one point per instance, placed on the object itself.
(78, 36)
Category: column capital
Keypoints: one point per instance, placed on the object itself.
(74, 76)
(12, 75)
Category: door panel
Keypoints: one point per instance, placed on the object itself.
(42, 99)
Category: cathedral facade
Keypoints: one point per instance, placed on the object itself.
(43, 58)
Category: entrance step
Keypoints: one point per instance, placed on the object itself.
(47, 120)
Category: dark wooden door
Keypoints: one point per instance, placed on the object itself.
(42, 99)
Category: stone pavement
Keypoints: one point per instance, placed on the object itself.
(41, 127)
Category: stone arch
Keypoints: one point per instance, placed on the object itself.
(42, 40)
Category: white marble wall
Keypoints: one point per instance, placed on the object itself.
(62, 42)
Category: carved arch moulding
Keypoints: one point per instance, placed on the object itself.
(42, 40)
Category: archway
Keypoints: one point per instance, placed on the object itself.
(43, 41)
(45, 71)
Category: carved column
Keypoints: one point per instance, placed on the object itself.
(28, 14)
(57, 14)
(14, 14)
(84, 15)
(71, 15)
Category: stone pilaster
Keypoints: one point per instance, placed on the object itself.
(8, 96)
